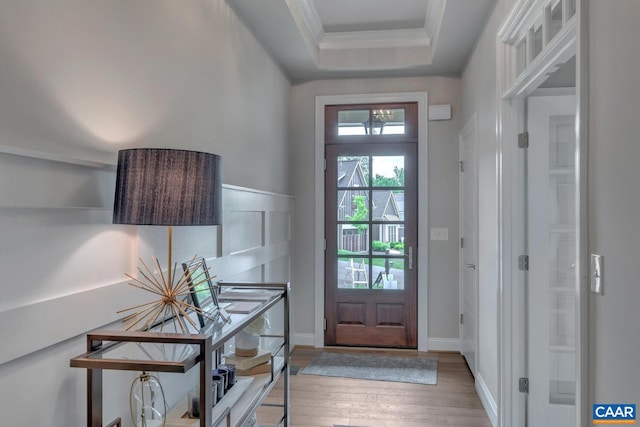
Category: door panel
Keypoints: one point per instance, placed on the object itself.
(552, 231)
(469, 233)
(371, 231)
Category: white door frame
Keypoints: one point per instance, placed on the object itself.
(511, 90)
(423, 224)
(471, 128)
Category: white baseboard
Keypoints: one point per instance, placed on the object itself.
(304, 339)
(443, 344)
(487, 400)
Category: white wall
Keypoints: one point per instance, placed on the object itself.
(82, 80)
(614, 199)
(89, 78)
(479, 96)
(443, 193)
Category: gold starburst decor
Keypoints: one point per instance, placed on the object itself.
(171, 302)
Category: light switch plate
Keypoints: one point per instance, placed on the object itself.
(439, 234)
(597, 274)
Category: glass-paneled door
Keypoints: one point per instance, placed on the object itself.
(371, 229)
(552, 234)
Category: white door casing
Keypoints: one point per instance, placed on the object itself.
(423, 230)
(468, 268)
(514, 84)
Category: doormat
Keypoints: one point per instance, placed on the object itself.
(293, 370)
(371, 367)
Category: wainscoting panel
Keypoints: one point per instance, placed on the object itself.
(63, 263)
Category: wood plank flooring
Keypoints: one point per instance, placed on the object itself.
(318, 401)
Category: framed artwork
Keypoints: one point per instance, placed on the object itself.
(203, 291)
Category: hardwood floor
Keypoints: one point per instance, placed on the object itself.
(318, 401)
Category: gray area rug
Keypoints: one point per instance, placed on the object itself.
(371, 367)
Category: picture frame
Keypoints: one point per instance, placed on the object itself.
(202, 291)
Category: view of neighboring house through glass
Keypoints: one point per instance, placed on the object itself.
(370, 217)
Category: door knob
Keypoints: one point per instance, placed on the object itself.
(409, 255)
(470, 266)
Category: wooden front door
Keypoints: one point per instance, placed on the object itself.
(371, 225)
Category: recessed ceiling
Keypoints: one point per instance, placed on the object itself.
(320, 39)
(365, 15)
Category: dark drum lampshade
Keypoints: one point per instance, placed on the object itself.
(157, 186)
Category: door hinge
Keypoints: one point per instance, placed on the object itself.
(325, 323)
(523, 385)
(523, 262)
(325, 244)
(461, 166)
(462, 242)
(325, 164)
(523, 140)
(461, 318)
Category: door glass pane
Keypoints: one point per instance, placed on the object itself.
(562, 259)
(388, 205)
(562, 142)
(521, 57)
(353, 205)
(572, 9)
(388, 273)
(353, 273)
(387, 122)
(353, 239)
(537, 41)
(388, 171)
(353, 122)
(556, 20)
(353, 171)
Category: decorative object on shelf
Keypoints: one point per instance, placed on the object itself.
(157, 186)
(248, 339)
(147, 402)
(203, 292)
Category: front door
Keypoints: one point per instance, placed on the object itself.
(552, 236)
(371, 225)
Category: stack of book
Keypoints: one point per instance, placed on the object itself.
(254, 365)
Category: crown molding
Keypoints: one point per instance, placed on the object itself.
(377, 39)
(433, 20)
(521, 16)
(421, 37)
(310, 17)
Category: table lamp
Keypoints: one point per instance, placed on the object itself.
(158, 186)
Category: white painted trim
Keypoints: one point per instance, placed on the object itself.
(255, 191)
(47, 322)
(423, 226)
(42, 155)
(573, 40)
(583, 409)
(375, 38)
(305, 12)
(488, 402)
(444, 344)
(433, 21)
(561, 49)
(311, 18)
(308, 340)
